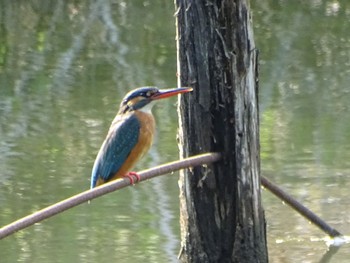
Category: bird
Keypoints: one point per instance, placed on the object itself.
(130, 135)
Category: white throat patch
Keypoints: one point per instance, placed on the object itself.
(148, 107)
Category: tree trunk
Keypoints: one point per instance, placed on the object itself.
(221, 215)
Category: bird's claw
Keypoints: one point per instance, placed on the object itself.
(131, 176)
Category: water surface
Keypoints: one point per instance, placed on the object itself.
(64, 67)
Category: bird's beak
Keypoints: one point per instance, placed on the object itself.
(165, 93)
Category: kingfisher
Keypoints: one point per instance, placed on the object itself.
(130, 135)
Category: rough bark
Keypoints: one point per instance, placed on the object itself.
(221, 219)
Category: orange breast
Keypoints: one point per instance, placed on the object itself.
(147, 129)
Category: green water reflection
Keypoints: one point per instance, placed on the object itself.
(305, 117)
(64, 67)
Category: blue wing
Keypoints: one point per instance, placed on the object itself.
(121, 139)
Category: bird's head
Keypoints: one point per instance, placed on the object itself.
(142, 98)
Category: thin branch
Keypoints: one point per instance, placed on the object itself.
(301, 209)
(148, 174)
(104, 189)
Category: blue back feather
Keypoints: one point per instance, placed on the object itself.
(121, 139)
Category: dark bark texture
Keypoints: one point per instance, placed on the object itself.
(221, 215)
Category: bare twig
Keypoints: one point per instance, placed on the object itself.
(150, 173)
(301, 209)
(104, 189)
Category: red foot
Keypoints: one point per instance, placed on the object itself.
(131, 176)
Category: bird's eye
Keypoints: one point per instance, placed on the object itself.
(148, 94)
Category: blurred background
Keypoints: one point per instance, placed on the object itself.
(64, 67)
